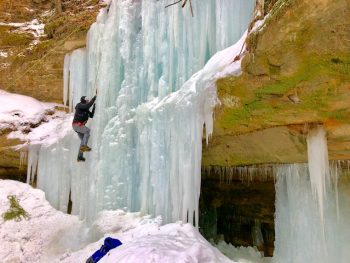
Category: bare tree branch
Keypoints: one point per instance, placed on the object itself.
(173, 3)
(184, 2)
(191, 8)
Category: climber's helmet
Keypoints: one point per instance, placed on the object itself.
(84, 99)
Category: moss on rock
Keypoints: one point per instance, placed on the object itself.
(63, 25)
(15, 38)
(16, 211)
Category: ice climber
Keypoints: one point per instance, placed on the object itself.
(81, 116)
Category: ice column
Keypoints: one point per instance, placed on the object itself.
(77, 72)
(318, 165)
(66, 69)
(148, 127)
(308, 225)
(33, 154)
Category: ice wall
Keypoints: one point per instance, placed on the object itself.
(148, 127)
(308, 226)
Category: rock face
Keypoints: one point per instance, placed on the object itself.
(32, 65)
(10, 161)
(296, 74)
(280, 144)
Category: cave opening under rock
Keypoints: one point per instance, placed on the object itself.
(237, 205)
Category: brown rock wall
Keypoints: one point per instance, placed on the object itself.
(37, 71)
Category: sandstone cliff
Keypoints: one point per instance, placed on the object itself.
(296, 74)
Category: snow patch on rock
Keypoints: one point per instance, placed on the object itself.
(4, 54)
(34, 27)
(18, 111)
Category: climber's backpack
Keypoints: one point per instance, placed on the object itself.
(109, 244)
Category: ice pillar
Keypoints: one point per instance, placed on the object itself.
(308, 225)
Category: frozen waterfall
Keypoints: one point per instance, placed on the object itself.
(148, 127)
(309, 227)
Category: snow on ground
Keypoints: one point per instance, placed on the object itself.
(27, 240)
(169, 243)
(52, 236)
(34, 27)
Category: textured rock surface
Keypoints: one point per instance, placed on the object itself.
(273, 145)
(36, 70)
(10, 160)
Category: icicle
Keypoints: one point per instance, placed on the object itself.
(312, 220)
(66, 79)
(33, 152)
(77, 76)
(334, 171)
(22, 159)
(318, 165)
(257, 236)
(301, 234)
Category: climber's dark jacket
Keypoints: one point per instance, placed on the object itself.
(82, 112)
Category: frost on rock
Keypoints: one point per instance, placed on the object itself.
(148, 127)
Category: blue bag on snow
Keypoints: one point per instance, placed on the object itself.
(109, 244)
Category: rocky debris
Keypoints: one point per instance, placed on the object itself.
(294, 98)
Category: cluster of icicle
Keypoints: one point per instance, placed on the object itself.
(148, 127)
(244, 174)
